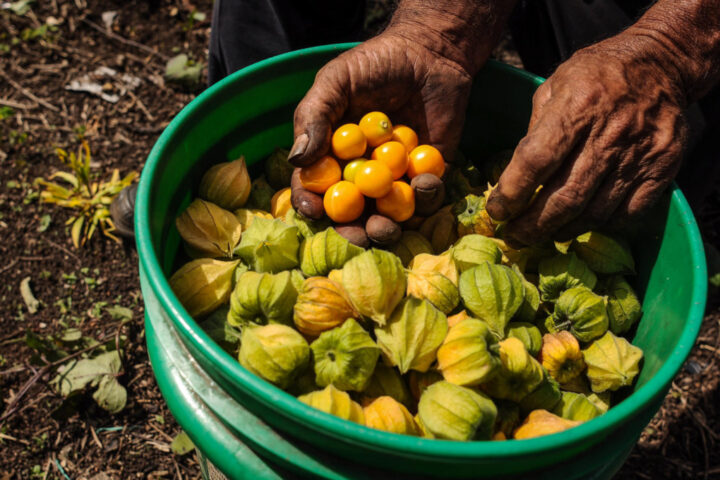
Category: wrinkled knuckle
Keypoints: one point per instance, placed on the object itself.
(566, 201)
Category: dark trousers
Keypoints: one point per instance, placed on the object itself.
(545, 33)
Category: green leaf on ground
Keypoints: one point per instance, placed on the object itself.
(118, 312)
(182, 444)
(110, 395)
(183, 71)
(44, 223)
(20, 7)
(31, 302)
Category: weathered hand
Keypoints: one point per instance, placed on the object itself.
(391, 73)
(605, 139)
(418, 71)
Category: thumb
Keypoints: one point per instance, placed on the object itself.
(321, 108)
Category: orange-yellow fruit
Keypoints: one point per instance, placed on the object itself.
(319, 176)
(374, 179)
(280, 203)
(394, 155)
(348, 142)
(376, 127)
(399, 204)
(351, 169)
(406, 136)
(426, 159)
(343, 202)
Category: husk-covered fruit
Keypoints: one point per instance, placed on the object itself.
(412, 335)
(345, 357)
(518, 375)
(307, 227)
(561, 356)
(472, 216)
(322, 304)
(386, 413)
(576, 406)
(540, 423)
(439, 229)
(246, 216)
(623, 308)
(419, 381)
(580, 311)
(411, 244)
(457, 318)
(472, 250)
(468, 355)
(545, 396)
(604, 254)
(203, 285)
(276, 353)
(528, 334)
(531, 300)
(451, 412)
(600, 400)
(562, 272)
(612, 362)
(208, 230)
(508, 418)
(269, 246)
(226, 184)
(386, 381)
(434, 278)
(261, 194)
(278, 170)
(326, 251)
(261, 298)
(280, 203)
(375, 282)
(492, 293)
(335, 402)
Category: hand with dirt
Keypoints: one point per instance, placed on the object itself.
(607, 131)
(418, 71)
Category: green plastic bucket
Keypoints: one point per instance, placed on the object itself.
(248, 428)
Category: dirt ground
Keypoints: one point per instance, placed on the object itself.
(82, 288)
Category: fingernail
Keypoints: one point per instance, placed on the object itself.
(496, 207)
(299, 147)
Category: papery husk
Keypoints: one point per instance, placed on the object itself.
(226, 184)
(410, 338)
(528, 334)
(321, 305)
(468, 355)
(451, 412)
(375, 283)
(576, 406)
(561, 356)
(519, 373)
(345, 357)
(419, 381)
(411, 244)
(439, 229)
(472, 216)
(387, 381)
(307, 227)
(208, 230)
(276, 353)
(612, 362)
(246, 216)
(434, 278)
(492, 293)
(203, 285)
(580, 311)
(472, 250)
(326, 251)
(335, 402)
(269, 246)
(387, 414)
(623, 308)
(561, 273)
(280, 203)
(261, 298)
(540, 423)
(603, 253)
